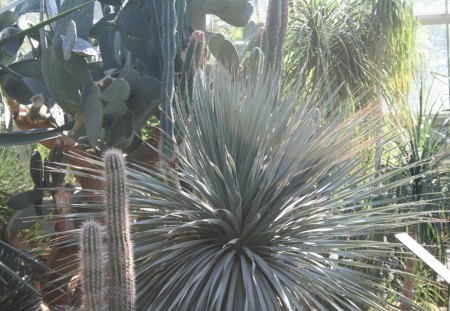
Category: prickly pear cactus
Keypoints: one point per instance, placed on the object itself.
(92, 262)
(121, 285)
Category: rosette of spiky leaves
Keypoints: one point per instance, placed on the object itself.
(275, 209)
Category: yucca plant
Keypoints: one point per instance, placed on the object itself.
(355, 43)
(422, 145)
(271, 205)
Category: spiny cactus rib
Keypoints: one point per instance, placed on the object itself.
(93, 274)
(182, 27)
(193, 62)
(277, 18)
(122, 292)
(168, 48)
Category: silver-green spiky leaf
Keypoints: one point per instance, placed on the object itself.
(276, 210)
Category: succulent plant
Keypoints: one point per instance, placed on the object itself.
(93, 277)
(121, 279)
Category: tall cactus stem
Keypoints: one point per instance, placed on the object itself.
(122, 292)
(193, 62)
(168, 47)
(277, 19)
(182, 27)
(93, 274)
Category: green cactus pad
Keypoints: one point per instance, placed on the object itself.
(132, 77)
(68, 41)
(118, 89)
(228, 55)
(115, 108)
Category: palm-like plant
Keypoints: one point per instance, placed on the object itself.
(362, 45)
(326, 38)
(269, 191)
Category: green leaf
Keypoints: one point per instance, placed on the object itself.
(118, 89)
(144, 100)
(12, 47)
(132, 77)
(228, 55)
(115, 108)
(7, 19)
(83, 48)
(214, 43)
(83, 18)
(104, 22)
(234, 12)
(62, 85)
(68, 41)
(24, 199)
(28, 6)
(92, 113)
(120, 133)
(32, 29)
(25, 218)
(111, 2)
(31, 136)
(251, 29)
(36, 169)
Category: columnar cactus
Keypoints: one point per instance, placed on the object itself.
(275, 34)
(194, 61)
(121, 285)
(169, 51)
(93, 274)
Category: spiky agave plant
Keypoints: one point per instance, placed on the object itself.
(269, 190)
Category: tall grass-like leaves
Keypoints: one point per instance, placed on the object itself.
(274, 208)
(357, 43)
(327, 39)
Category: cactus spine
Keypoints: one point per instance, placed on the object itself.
(122, 292)
(169, 50)
(91, 258)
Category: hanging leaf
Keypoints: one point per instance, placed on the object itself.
(32, 29)
(28, 6)
(7, 19)
(22, 80)
(36, 172)
(32, 136)
(228, 56)
(55, 167)
(68, 41)
(214, 43)
(106, 46)
(12, 47)
(84, 48)
(102, 23)
(63, 86)
(120, 133)
(144, 100)
(234, 12)
(21, 219)
(111, 2)
(24, 199)
(92, 112)
(83, 18)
